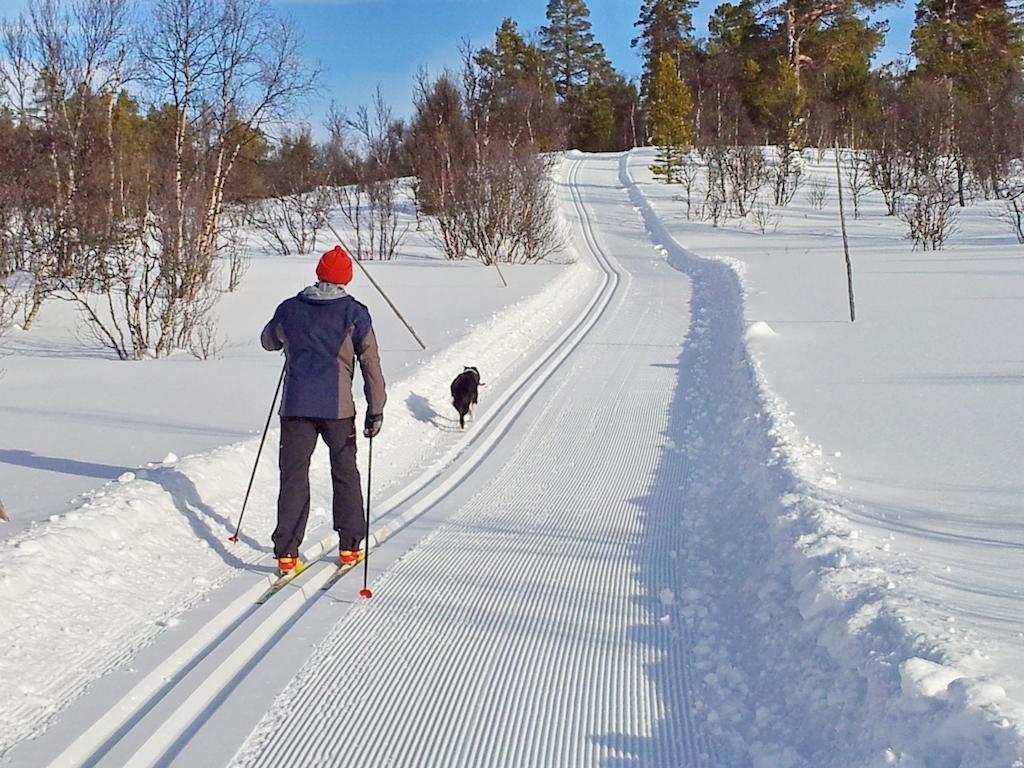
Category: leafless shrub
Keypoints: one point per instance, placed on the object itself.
(930, 205)
(765, 217)
(292, 223)
(890, 171)
(295, 210)
(364, 155)
(1007, 180)
(506, 213)
(233, 249)
(817, 193)
(479, 173)
(858, 179)
(10, 299)
(689, 173)
(8, 308)
(120, 298)
(1012, 214)
(746, 171)
(268, 219)
(205, 343)
(354, 207)
(715, 208)
(716, 191)
(788, 174)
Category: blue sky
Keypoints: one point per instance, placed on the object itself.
(360, 43)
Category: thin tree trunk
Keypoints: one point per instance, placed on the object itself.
(846, 242)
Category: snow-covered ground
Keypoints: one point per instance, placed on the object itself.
(73, 418)
(907, 425)
(98, 579)
(702, 520)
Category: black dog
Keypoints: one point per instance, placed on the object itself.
(464, 393)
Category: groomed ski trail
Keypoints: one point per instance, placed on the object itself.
(160, 716)
(633, 577)
(607, 576)
(518, 633)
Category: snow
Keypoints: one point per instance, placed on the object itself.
(75, 419)
(911, 544)
(121, 564)
(702, 519)
(760, 329)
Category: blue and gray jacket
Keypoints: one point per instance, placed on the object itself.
(323, 331)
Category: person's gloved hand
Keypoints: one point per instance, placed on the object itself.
(371, 428)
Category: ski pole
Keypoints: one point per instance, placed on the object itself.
(379, 289)
(365, 592)
(259, 450)
(503, 281)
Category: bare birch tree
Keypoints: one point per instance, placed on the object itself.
(228, 71)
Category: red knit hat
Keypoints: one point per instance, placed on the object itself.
(335, 267)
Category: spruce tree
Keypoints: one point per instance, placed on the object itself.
(596, 122)
(669, 119)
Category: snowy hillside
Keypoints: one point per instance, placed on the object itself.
(701, 518)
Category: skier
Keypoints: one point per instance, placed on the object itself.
(323, 331)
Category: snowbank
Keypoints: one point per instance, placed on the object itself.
(899, 686)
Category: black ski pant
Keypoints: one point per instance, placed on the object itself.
(298, 439)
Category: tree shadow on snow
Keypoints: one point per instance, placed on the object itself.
(677, 734)
(32, 460)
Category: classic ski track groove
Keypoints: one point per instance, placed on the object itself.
(510, 691)
(223, 630)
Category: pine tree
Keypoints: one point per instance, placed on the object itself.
(948, 35)
(842, 95)
(516, 82)
(513, 59)
(801, 18)
(574, 57)
(669, 119)
(974, 47)
(739, 52)
(666, 26)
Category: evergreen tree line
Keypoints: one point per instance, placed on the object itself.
(932, 134)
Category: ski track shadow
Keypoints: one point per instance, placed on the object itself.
(192, 507)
